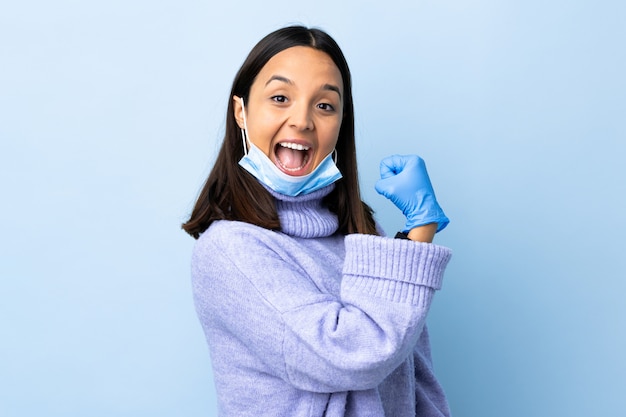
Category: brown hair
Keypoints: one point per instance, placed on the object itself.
(231, 193)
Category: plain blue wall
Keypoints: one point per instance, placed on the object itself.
(112, 111)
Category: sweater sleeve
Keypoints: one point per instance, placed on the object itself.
(386, 292)
(314, 340)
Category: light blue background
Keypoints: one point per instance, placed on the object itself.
(111, 113)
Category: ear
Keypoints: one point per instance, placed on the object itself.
(238, 111)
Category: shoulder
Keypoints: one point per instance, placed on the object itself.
(240, 258)
(223, 232)
(235, 240)
(229, 252)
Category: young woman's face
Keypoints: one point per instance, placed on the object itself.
(295, 109)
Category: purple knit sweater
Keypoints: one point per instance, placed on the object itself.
(306, 322)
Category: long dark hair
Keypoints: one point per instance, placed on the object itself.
(231, 193)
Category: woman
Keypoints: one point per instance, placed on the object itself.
(307, 309)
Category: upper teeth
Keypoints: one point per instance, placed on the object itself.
(295, 146)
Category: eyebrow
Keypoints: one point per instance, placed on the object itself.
(331, 87)
(327, 87)
(279, 78)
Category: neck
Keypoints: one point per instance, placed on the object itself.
(304, 215)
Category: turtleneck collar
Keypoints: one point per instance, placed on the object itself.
(304, 216)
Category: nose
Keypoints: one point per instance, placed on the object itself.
(301, 117)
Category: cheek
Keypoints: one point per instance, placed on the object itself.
(333, 136)
(326, 148)
(260, 133)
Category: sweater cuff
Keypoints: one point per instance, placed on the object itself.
(400, 270)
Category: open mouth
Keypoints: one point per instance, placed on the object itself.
(292, 158)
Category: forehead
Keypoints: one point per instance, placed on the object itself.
(303, 66)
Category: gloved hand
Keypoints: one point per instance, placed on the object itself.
(404, 181)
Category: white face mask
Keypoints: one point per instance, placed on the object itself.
(263, 169)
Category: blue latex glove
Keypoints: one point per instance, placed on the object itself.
(404, 181)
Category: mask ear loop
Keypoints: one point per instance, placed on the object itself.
(335, 156)
(244, 130)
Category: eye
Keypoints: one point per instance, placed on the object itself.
(279, 99)
(326, 106)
